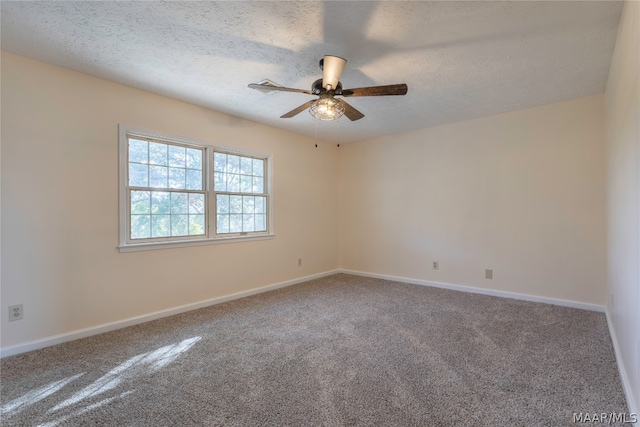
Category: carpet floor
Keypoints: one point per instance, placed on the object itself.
(336, 351)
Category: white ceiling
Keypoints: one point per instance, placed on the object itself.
(461, 60)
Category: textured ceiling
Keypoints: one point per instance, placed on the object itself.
(461, 60)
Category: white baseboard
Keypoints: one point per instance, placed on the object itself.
(624, 376)
(82, 333)
(106, 327)
(474, 290)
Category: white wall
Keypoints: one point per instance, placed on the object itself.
(623, 198)
(521, 193)
(60, 205)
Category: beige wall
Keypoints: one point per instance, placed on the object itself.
(623, 197)
(60, 205)
(521, 193)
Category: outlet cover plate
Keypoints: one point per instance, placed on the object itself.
(15, 312)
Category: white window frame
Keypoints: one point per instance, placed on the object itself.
(210, 237)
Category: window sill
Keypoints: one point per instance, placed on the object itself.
(150, 246)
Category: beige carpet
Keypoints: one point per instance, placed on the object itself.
(342, 350)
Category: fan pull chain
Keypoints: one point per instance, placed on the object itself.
(316, 133)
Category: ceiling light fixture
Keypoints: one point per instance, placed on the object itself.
(332, 67)
(326, 108)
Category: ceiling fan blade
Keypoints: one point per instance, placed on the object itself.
(351, 113)
(332, 70)
(399, 89)
(297, 110)
(267, 88)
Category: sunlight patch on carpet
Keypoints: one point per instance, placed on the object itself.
(156, 359)
(16, 405)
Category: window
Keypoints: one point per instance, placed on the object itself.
(175, 192)
(166, 190)
(241, 200)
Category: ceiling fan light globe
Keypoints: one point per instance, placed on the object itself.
(326, 109)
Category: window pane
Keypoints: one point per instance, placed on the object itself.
(246, 165)
(219, 162)
(222, 224)
(260, 205)
(258, 185)
(261, 224)
(179, 203)
(194, 158)
(158, 154)
(177, 178)
(194, 179)
(235, 223)
(158, 176)
(160, 202)
(233, 183)
(247, 204)
(140, 226)
(233, 164)
(246, 183)
(179, 225)
(140, 202)
(138, 151)
(258, 167)
(219, 181)
(160, 225)
(196, 224)
(138, 175)
(247, 222)
(177, 156)
(196, 203)
(235, 204)
(222, 203)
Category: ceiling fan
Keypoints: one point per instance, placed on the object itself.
(327, 106)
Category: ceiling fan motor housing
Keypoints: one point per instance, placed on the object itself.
(317, 88)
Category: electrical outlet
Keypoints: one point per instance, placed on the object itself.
(15, 312)
(488, 274)
(435, 265)
(299, 262)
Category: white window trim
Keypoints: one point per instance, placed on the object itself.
(210, 238)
